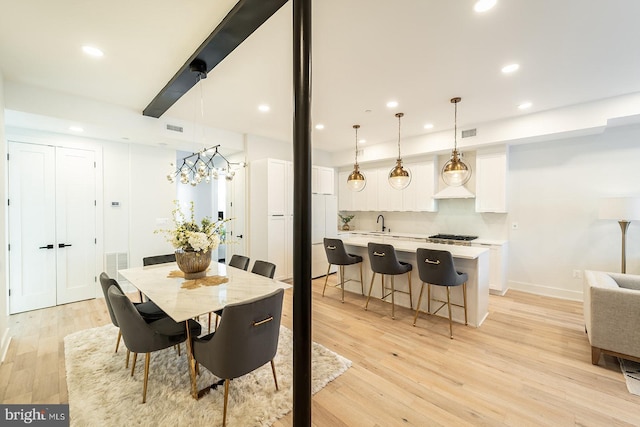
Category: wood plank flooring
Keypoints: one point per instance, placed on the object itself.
(527, 365)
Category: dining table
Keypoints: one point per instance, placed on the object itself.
(183, 299)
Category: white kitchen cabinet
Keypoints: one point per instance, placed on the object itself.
(491, 181)
(418, 196)
(370, 190)
(389, 199)
(498, 257)
(345, 195)
(277, 173)
(325, 180)
(280, 245)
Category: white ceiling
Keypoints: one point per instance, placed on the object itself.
(420, 53)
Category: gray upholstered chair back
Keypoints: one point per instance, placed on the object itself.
(437, 268)
(246, 338)
(138, 335)
(239, 261)
(336, 253)
(264, 268)
(383, 259)
(158, 259)
(106, 282)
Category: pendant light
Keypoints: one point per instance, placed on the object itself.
(356, 180)
(455, 172)
(399, 177)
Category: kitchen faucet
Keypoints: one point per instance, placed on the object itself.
(378, 220)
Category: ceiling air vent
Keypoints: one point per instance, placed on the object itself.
(468, 133)
(174, 128)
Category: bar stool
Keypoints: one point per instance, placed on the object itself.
(383, 260)
(436, 268)
(337, 255)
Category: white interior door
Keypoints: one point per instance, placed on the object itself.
(75, 224)
(236, 209)
(32, 249)
(52, 226)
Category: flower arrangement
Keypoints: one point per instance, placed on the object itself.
(345, 221)
(189, 236)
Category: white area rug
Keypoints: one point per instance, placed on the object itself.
(103, 393)
(631, 371)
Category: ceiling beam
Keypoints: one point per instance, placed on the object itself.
(245, 17)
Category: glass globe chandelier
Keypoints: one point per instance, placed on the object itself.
(356, 180)
(399, 177)
(455, 172)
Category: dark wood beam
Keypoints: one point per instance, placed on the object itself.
(245, 17)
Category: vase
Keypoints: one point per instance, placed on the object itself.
(345, 227)
(193, 264)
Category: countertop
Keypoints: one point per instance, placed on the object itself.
(417, 237)
(411, 244)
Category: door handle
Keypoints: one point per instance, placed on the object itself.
(63, 245)
(46, 247)
(239, 236)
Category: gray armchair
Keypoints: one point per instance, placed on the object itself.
(142, 337)
(246, 339)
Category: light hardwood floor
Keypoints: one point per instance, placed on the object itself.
(527, 365)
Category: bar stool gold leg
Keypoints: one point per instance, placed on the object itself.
(342, 281)
(361, 282)
(464, 295)
(370, 288)
(449, 307)
(429, 298)
(325, 279)
(393, 299)
(410, 295)
(415, 318)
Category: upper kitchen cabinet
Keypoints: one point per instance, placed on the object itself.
(345, 195)
(322, 180)
(418, 196)
(491, 180)
(389, 199)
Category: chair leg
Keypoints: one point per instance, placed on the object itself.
(275, 378)
(133, 364)
(209, 324)
(361, 282)
(226, 398)
(429, 298)
(393, 299)
(127, 364)
(342, 281)
(118, 340)
(326, 277)
(410, 295)
(178, 350)
(450, 321)
(217, 320)
(147, 358)
(370, 288)
(415, 318)
(464, 299)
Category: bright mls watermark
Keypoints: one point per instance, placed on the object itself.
(39, 415)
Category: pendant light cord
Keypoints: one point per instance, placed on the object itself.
(399, 115)
(455, 126)
(356, 128)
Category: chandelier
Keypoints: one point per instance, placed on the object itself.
(456, 172)
(399, 177)
(356, 180)
(200, 166)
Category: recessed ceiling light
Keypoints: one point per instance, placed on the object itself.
(525, 105)
(264, 108)
(428, 126)
(319, 126)
(392, 104)
(76, 129)
(484, 5)
(92, 51)
(510, 68)
(362, 141)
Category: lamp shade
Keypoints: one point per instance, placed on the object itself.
(356, 180)
(620, 208)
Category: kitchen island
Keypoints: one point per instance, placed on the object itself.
(468, 259)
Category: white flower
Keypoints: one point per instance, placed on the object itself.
(199, 241)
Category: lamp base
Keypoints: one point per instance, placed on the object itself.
(624, 225)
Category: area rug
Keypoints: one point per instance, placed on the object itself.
(103, 393)
(631, 371)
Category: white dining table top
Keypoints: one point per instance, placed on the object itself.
(182, 303)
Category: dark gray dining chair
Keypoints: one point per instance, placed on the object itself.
(142, 337)
(155, 260)
(148, 310)
(239, 261)
(246, 339)
(337, 255)
(264, 268)
(437, 268)
(384, 261)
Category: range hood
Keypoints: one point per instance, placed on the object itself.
(460, 192)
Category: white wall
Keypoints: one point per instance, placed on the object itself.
(4, 330)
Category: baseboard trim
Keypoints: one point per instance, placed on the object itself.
(6, 340)
(537, 289)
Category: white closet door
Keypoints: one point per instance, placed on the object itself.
(32, 240)
(75, 224)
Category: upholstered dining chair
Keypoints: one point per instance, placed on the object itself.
(246, 339)
(157, 259)
(337, 255)
(384, 261)
(142, 337)
(437, 268)
(239, 261)
(264, 268)
(148, 310)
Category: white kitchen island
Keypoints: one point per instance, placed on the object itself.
(468, 259)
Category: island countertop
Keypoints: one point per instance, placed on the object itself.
(405, 244)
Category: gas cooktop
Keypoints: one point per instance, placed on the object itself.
(453, 237)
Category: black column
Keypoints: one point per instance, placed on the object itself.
(302, 213)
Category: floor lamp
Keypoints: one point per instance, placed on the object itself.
(625, 210)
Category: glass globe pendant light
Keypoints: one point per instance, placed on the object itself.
(356, 180)
(455, 172)
(399, 177)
